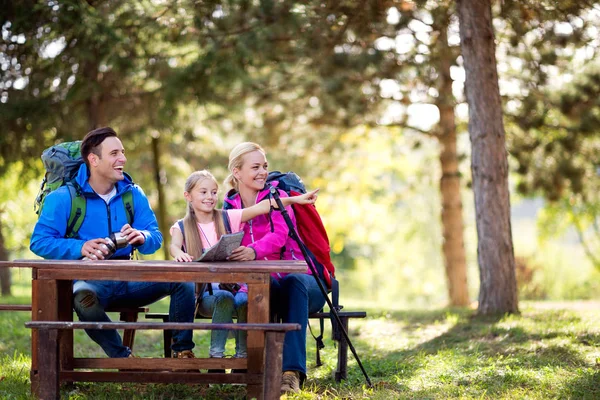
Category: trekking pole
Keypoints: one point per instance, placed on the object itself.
(309, 261)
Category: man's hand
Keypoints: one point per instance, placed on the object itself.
(133, 236)
(242, 253)
(94, 249)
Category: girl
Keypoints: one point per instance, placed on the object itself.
(293, 296)
(203, 226)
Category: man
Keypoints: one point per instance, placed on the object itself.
(103, 183)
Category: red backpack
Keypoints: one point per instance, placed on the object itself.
(309, 224)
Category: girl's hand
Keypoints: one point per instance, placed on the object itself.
(184, 257)
(242, 253)
(306, 198)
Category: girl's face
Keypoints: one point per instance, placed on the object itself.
(254, 171)
(203, 196)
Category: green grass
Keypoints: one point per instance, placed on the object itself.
(550, 351)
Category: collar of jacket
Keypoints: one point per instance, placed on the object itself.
(234, 199)
(83, 176)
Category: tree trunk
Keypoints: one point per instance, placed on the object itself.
(162, 209)
(5, 279)
(452, 221)
(489, 165)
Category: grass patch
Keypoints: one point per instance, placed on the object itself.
(551, 350)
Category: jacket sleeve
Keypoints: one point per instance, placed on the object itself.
(272, 242)
(144, 220)
(47, 240)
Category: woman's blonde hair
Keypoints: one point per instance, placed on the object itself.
(236, 160)
(191, 236)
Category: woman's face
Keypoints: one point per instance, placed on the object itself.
(253, 173)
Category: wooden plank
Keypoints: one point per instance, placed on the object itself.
(253, 327)
(65, 313)
(33, 376)
(341, 372)
(15, 307)
(159, 377)
(160, 363)
(347, 314)
(44, 307)
(261, 266)
(273, 365)
(149, 275)
(258, 310)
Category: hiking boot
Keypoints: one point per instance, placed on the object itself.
(290, 382)
(184, 354)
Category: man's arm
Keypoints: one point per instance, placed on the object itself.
(48, 238)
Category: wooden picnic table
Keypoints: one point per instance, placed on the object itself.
(52, 301)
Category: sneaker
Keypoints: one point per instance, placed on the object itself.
(290, 382)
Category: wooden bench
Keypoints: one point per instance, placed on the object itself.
(153, 369)
(125, 315)
(341, 372)
(15, 307)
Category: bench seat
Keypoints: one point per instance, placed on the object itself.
(341, 372)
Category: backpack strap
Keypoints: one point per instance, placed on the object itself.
(201, 287)
(78, 208)
(226, 221)
(181, 228)
(128, 204)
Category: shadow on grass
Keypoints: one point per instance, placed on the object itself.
(480, 354)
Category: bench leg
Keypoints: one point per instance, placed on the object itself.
(167, 339)
(341, 372)
(49, 388)
(129, 334)
(273, 365)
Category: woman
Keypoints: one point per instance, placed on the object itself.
(266, 238)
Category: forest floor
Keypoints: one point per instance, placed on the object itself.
(550, 351)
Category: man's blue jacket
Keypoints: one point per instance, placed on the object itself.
(48, 238)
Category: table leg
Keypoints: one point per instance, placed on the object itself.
(49, 387)
(65, 313)
(258, 312)
(44, 308)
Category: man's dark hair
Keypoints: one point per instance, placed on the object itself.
(92, 142)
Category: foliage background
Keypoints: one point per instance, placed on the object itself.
(332, 93)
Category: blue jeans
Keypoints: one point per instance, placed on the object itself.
(90, 298)
(221, 306)
(293, 298)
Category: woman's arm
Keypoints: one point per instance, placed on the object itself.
(264, 206)
(175, 247)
